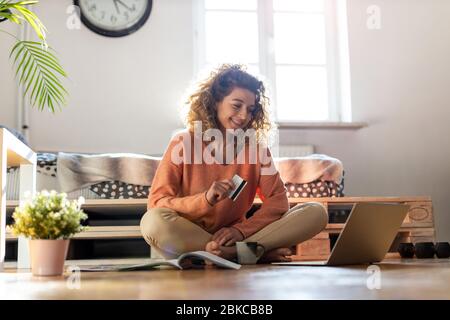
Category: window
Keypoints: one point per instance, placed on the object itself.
(299, 46)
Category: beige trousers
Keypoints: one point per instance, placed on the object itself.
(171, 235)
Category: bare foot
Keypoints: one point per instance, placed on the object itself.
(221, 251)
(276, 255)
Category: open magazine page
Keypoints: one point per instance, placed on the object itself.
(131, 267)
(185, 261)
(203, 255)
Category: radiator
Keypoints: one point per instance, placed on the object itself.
(295, 150)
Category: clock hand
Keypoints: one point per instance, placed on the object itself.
(117, 7)
(120, 1)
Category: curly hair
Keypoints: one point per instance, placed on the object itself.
(202, 103)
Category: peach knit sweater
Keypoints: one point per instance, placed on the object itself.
(182, 187)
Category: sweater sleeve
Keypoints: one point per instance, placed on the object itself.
(164, 192)
(272, 192)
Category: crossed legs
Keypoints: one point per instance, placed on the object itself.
(170, 235)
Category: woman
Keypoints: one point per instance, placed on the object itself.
(189, 207)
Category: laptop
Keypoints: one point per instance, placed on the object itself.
(367, 235)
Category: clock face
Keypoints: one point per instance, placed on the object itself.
(114, 18)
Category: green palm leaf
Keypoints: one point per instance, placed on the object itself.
(38, 68)
(17, 12)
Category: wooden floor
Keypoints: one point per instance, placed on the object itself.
(400, 279)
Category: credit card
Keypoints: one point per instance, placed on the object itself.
(239, 184)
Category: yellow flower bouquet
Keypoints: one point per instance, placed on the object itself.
(49, 215)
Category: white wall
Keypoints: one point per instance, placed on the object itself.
(124, 92)
(400, 78)
(125, 95)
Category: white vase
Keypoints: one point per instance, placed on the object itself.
(48, 256)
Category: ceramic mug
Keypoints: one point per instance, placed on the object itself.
(248, 252)
(424, 250)
(442, 249)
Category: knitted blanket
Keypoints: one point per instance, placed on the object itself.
(76, 171)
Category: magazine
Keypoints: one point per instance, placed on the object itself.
(187, 260)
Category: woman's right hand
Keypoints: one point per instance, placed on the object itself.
(219, 190)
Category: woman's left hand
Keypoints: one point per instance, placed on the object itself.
(227, 236)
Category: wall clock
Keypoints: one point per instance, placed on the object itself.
(114, 18)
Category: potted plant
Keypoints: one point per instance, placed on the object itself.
(49, 219)
(38, 70)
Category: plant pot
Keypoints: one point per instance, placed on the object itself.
(48, 257)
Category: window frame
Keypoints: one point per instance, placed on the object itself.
(334, 46)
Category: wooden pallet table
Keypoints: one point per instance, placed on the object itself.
(418, 225)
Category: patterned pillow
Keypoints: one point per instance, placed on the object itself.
(46, 164)
(315, 189)
(122, 190)
(119, 190)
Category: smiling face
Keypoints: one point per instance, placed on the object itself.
(235, 111)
